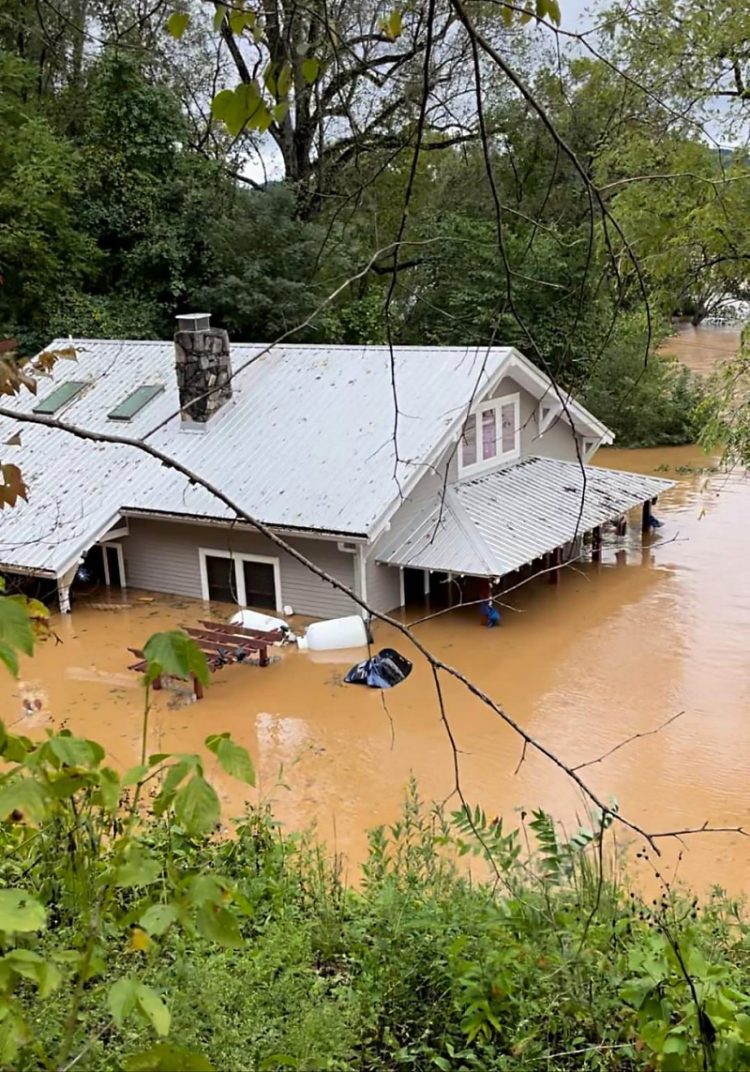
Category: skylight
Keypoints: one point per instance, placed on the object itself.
(62, 394)
(135, 402)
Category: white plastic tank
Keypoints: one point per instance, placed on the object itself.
(252, 619)
(348, 632)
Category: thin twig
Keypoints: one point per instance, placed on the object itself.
(629, 740)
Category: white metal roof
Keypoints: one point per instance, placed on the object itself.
(498, 522)
(307, 440)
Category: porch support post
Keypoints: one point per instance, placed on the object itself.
(646, 522)
(554, 560)
(64, 581)
(622, 526)
(596, 544)
(361, 588)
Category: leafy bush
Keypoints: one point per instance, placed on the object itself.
(646, 404)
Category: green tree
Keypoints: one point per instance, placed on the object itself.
(42, 248)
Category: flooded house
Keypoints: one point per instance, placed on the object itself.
(403, 474)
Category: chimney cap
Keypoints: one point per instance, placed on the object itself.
(193, 321)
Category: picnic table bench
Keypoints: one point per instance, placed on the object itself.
(222, 643)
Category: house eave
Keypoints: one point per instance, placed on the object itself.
(303, 532)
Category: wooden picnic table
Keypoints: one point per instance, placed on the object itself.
(222, 643)
(272, 636)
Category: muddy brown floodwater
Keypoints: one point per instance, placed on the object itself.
(614, 650)
(703, 347)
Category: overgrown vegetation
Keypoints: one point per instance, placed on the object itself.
(151, 944)
(132, 136)
(725, 412)
(656, 404)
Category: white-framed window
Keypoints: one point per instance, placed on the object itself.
(491, 434)
(242, 579)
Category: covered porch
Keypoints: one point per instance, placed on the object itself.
(484, 534)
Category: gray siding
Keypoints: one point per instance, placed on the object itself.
(384, 582)
(163, 556)
(383, 585)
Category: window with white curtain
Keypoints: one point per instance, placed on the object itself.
(491, 434)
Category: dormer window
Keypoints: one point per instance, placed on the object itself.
(491, 434)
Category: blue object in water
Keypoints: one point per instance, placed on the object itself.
(491, 614)
(654, 522)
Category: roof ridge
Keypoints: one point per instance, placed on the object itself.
(352, 347)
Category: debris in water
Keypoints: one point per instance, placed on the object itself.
(382, 671)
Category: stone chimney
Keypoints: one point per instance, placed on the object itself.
(203, 367)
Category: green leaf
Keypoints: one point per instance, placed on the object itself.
(206, 889)
(284, 80)
(72, 751)
(553, 10)
(269, 78)
(218, 924)
(20, 912)
(109, 789)
(175, 774)
(177, 23)
(154, 1009)
(653, 1033)
(394, 24)
(135, 774)
(121, 999)
(140, 869)
(158, 918)
(310, 69)
(25, 795)
(176, 654)
(9, 657)
(675, 1043)
(14, 749)
(34, 608)
(67, 785)
(238, 20)
(16, 633)
(221, 10)
(166, 1058)
(30, 965)
(196, 806)
(234, 759)
(224, 107)
(241, 109)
